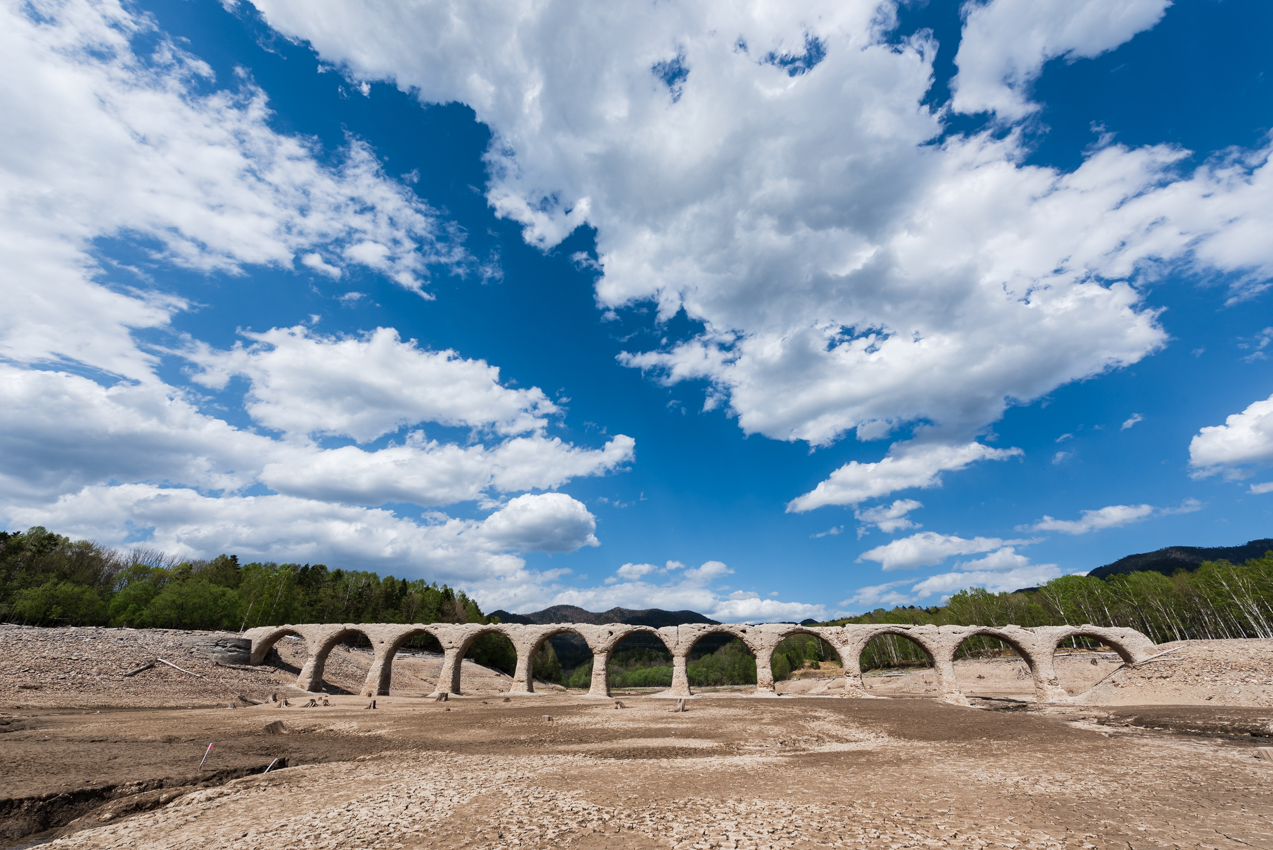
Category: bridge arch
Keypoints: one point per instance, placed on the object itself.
(311, 676)
(1130, 645)
(779, 633)
(456, 640)
(855, 638)
(386, 644)
(264, 642)
(528, 641)
(759, 644)
(605, 640)
(1026, 645)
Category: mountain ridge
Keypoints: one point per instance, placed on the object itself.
(1171, 558)
(654, 617)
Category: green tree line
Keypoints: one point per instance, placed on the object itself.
(731, 664)
(1218, 600)
(50, 580)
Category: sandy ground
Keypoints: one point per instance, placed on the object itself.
(114, 761)
(990, 678)
(728, 772)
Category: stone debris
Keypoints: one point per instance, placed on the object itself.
(1212, 672)
(619, 704)
(139, 668)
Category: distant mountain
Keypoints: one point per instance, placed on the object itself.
(654, 617)
(571, 649)
(1167, 561)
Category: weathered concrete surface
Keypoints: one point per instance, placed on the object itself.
(1035, 645)
(227, 649)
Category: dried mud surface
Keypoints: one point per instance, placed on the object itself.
(728, 772)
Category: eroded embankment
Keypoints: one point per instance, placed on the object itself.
(85, 807)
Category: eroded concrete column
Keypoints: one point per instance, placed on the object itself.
(449, 676)
(947, 684)
(524, 673)
(849, 648)
(600, 686)
(380, 675)
(526, 642)
(311, 677)
(680, 675)
(319, 642)
(1047, 687)
(764, 671)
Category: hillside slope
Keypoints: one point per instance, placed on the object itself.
(1172, 558)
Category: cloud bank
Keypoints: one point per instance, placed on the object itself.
(771, 170)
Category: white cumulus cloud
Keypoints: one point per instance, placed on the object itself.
(676, 587)
(544, 522)
(100, 141)
(1007, 42)
(907, 465)
(118, 132)
(365, 387)
(1244, 439)
(996, 581)
(889, 518)
(284, 528)
(1111, 516)
(1002, 570)
(928, 548)
(783, 189)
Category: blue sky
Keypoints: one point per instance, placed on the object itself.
(770, 312)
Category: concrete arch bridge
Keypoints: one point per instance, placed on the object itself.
(1036, 647)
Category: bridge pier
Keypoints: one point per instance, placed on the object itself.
(599, 687)
(764, 670)
(680, 674)
(449, 676)
(524, 674)
(380, 674)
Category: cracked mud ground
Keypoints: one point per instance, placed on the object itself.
(728, 772)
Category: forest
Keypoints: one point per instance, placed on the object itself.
(48, 579)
